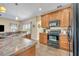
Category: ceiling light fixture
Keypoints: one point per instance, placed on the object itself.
(39, 9)
(2, 9)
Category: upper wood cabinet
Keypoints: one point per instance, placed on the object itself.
(45, 21)
(63, 15)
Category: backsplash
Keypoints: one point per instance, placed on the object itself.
(62, 29)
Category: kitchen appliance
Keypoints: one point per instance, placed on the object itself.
(54, 23)
(53, 38)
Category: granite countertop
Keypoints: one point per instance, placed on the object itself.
(11, 45)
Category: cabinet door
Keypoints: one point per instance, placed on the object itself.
(28, 36)
(45, 21)
(63, 42)
(65, 19)
(40, 38)
(43, 38)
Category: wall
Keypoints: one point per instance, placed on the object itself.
(6, 23)
(39, 28)
(33, 26)
(36, 26)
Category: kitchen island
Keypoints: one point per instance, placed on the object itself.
(16, 45)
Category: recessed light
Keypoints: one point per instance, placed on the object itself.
(16, 18)
(39, 9)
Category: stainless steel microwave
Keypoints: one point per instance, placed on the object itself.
(54, 23)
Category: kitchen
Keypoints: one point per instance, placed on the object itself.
(26, 36)
(56, 25)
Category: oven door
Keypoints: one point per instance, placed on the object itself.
(53, 41)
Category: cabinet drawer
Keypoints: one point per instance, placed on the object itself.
(64, 37)
(64, 42)
(64, 47)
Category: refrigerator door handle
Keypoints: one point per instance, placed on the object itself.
(69, 33)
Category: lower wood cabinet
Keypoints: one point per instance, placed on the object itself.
(28, 52)
(43, 38)
(63, 42)
(28, 36)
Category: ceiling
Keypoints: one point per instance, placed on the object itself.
(27, 10)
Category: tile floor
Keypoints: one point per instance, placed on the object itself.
(43, 50)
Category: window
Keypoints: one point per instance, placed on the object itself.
(27, 28)
(14, 27)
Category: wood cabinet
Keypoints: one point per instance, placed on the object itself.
(43, 39)
(63, 15)
(45, 21)
(63, 42)
(28, 36)
(28, 52)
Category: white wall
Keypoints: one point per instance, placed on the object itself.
(36, 21)
(39, 28)
(6, 23)
(34, 26)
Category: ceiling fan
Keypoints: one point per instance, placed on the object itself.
(2, 9)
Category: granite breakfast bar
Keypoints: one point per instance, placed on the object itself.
(16, 45)
(29, 50)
